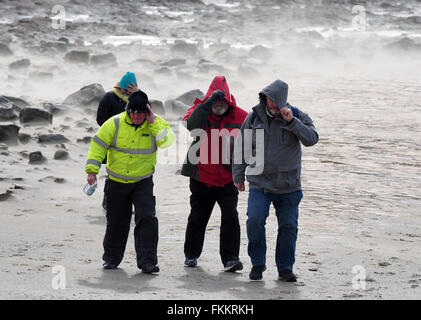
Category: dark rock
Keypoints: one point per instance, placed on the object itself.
(20, 64)
(41, 75)
(179, 108)
(16, 101)
(181, 47)
(36, 158)
(404, 44)
(4, 195)
(207, 66)
(55, 108)
(260, 52)
(59, 46)
(384, 264)
(5, 50)
(9, 133)
(189, 97)
(77, 56)
(86, 96)
(24, 138)
(52, 138)
(65, 40)
(35, 115)
(104, 59)
(52, 178)
(386, 5)
(157, 106)
(82, 123)
(174, 62)
(84, 140)
(7, 113)
(163, 71)
(24, 154)
(61, 155)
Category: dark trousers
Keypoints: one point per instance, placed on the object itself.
(202, 201)
(120, 197)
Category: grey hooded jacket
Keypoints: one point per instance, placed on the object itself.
(280, 172)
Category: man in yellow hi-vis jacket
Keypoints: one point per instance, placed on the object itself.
(130, 140)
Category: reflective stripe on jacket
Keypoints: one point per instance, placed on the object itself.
(131, 152)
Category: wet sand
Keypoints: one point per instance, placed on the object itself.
(361, 205)
(361, 182)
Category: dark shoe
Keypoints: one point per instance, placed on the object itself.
(190, 262)
(256, 272)
(109, 265)
(150, 268)
(233, 265)
(287, 276)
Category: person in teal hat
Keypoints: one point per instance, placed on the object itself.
(115, 101)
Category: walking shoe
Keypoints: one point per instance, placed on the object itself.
(233, 265)
(256, 272)
(149, 268)
(287, 276)
(190, 262)
(109, 265)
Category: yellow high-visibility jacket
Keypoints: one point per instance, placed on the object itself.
(131, 153)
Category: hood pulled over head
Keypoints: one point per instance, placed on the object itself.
(277, 91)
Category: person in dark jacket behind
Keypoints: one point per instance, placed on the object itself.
(215, 119)
(277, 179)
(113, 103)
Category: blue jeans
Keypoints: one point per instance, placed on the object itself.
(286, 206)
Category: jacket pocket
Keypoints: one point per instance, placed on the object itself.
(287, 179)
(287, 137)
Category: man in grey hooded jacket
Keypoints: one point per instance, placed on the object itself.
(273, 169)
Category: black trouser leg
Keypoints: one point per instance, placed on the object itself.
(229, 241)
(118, 221)
(146, 229)
(202, 202)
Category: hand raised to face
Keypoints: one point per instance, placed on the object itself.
(287, 114)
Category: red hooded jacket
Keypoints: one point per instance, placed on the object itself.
(214, 157)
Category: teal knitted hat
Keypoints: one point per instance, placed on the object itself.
(127, 79)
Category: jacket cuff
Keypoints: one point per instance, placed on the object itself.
(293, 124)
(239, 179)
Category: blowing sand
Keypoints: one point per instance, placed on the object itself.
(359, 225)
(360, 210)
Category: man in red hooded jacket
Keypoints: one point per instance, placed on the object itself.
(214, 122)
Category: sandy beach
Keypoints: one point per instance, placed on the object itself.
(359, 226)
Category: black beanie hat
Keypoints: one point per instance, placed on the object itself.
(137, 102)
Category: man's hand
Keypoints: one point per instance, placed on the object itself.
(150, 116)
(287, 114)
(240, 186)
(132, 87)
(91, 178)
(217, 95)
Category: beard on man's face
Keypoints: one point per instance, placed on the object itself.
(219, 108)
(274, 112)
